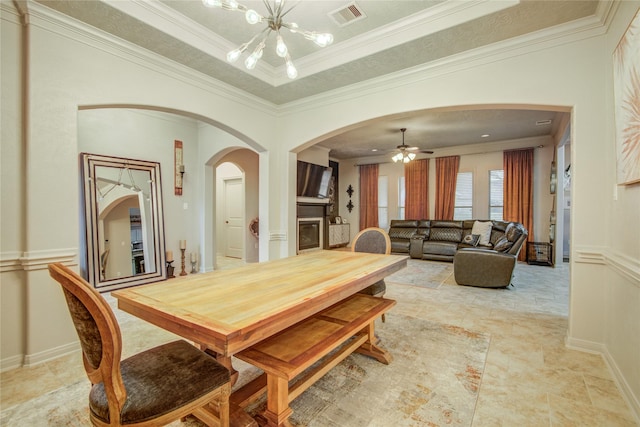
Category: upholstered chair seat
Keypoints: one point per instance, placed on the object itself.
(161, 380)
(152, 388)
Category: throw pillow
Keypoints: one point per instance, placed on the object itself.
(471, 239)
(483, 228)
(503, 244)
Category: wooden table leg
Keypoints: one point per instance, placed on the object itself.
(224, 361)
(278, 410)
(370, 347)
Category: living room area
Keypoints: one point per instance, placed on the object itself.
(560, 346)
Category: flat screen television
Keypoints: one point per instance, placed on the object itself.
(313, 180)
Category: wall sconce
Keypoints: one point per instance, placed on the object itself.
(178, 174)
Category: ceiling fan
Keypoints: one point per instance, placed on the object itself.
(405, 153)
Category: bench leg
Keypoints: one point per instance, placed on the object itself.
(371, 349)
(278, 410)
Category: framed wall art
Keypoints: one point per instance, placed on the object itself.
(626, 74)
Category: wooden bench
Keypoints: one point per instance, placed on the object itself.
(345, 327)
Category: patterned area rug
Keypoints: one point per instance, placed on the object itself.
(426, 274)
(433, 380)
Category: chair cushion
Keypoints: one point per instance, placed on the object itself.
(372, 242)
(160, 380)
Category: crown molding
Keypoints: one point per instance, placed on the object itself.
(429, 21)
(61, 24)
(559, 35)
(444, 15)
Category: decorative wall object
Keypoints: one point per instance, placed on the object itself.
(254, 227)
(350, 192)
(626, 74)
(178, 167)
(553, 178)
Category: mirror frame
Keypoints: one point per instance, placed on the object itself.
(90, 262)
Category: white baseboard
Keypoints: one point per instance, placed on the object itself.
(53, 353)
(10, 363)
(621, 383)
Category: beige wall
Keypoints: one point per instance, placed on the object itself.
(68, 70)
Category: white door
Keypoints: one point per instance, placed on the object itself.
(234, 217)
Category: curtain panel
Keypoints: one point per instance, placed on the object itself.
(518, 190)
(368, 196)
(416, 187)
(446, 177)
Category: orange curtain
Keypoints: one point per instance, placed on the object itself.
(446, 177)
(368, 196)
(518, 190)
(416, 186)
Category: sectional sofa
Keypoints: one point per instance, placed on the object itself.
(484, 252)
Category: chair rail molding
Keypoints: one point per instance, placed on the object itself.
(36, 260)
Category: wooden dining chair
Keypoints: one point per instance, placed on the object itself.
(152, 388)
(373, 240)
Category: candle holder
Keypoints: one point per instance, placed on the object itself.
(170, 269)
(193, 267)
(183, 272)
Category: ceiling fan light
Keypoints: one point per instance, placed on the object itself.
(396, 158)
(411, 156)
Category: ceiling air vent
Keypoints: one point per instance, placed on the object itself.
(347, 15)
(543, 122)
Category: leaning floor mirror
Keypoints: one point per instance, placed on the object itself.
(123, 222)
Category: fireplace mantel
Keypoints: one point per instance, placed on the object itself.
(312, 201)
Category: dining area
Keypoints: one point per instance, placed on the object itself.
(283, 316)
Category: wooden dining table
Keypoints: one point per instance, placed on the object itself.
(227, 311)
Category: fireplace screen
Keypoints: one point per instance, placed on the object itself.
(309, 234)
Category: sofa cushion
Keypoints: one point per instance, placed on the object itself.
(439, 248)
(471, 239)
(484, 230)
(401, 246)
(503, 244)
(446, 234)
(401, 233)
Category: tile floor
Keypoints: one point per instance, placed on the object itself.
(530, 379)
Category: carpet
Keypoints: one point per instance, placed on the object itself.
(433, 380)
(426, 274)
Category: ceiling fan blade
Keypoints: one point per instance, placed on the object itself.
(418, 150)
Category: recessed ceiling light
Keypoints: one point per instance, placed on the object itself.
(374, 149)
(486, 135)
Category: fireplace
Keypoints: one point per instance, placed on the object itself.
(311, 233)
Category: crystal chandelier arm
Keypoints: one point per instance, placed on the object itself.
(268, 7)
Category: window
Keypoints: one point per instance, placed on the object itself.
(463, 208)
(496, 194)
(383, 205)
(401, 198)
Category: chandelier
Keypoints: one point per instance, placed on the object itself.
(403, 155)
(274, 23)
